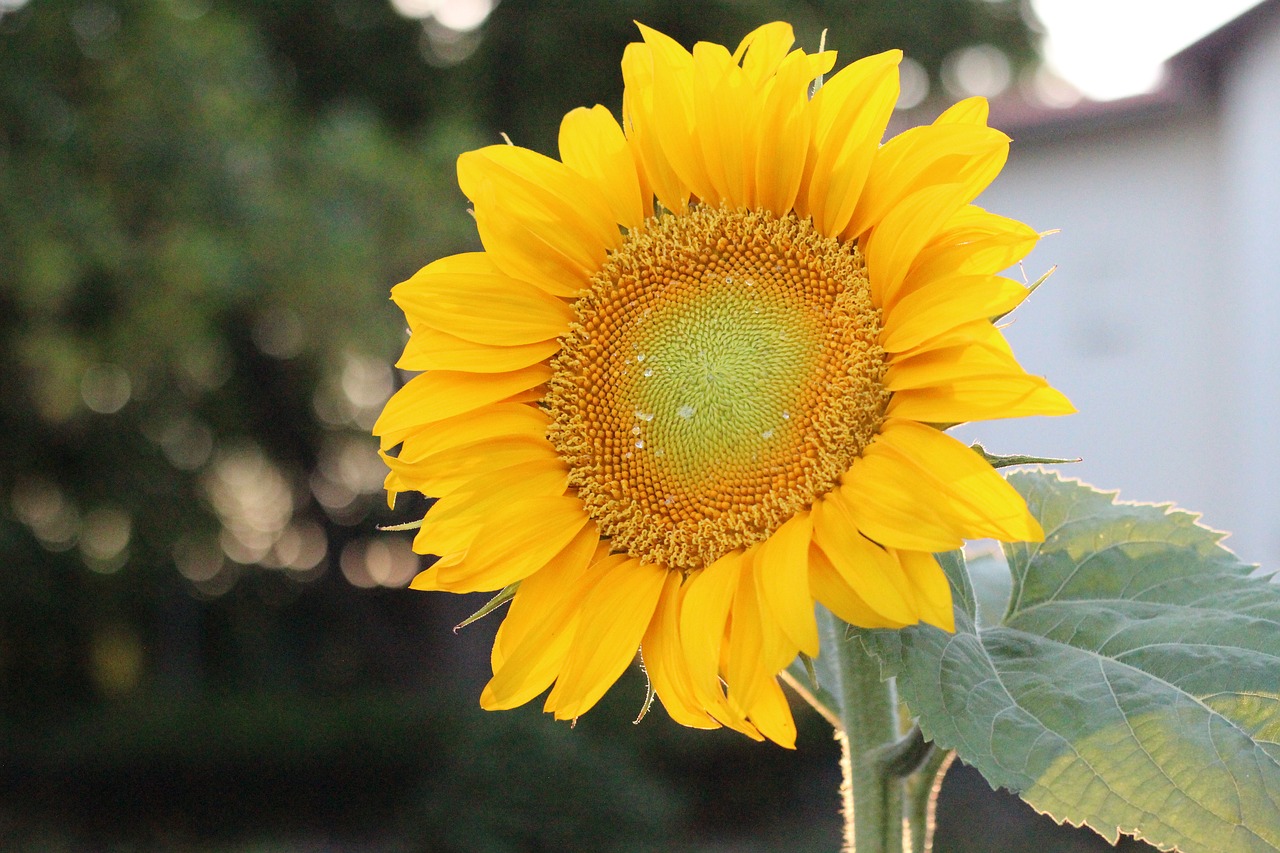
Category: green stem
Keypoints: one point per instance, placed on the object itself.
(908, 754)
(922, 798)
(868, 712)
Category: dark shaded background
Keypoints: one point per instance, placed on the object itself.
(204, 643)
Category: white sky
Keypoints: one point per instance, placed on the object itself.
(1112, 48)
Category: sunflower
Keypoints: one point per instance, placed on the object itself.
(698, 378)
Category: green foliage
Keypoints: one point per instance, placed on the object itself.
(535, 60)
(462, 780)
(1133, 684)
(380, 771)
(613, 803)
(169, 222)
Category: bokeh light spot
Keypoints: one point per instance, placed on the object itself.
(104, 538)
(981, 69)
(105, 388)
(383, 561)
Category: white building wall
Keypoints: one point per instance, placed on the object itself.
(1125, 326)
(1163, 321)
(1251, 279)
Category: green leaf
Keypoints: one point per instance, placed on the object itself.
(1133, 684)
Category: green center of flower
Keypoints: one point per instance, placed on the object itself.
(723, 372)
(720, 375)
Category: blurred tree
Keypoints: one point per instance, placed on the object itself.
(534, 60)
(192, 271)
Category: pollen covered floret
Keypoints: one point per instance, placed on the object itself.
(722, 373)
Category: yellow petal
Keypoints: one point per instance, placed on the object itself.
(965, 487)
(979, 399)
(425, 580)
(523, 254)
(851, 111)
(757, 648)
(973, 222)
(664, 660)
(834, 592)
(888, 501)
(704, 612)
(446, 538)
(432, 397)
(772, 716)
(539, 597)
(449, 541)
(762, 50)
(751, 644)
(445, 472)
(451, 525)
(516, 541)
(535, 663)
(933, 593)
(539, 220)
(944, 304)
(982, 332)
(973, 110)
(431, 349)
(672, 112)
(463, 296)
(781, 136)
(638, 109)
(723, 107)
(559, 206)
(442, 473)
(893, 245)
(982, 249)
(615, 616)
(536, 659)
(932, 367)
(865, 567)
(593, 145)
(501, 419)
(950, 153)
(782, 579)
(532, 395)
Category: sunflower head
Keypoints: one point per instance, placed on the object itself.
(693, 383)
(723, 372)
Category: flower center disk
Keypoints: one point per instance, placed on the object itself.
(722, 373)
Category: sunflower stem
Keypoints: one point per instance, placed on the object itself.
(872, 792)
(908, 754)
(922, 799)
